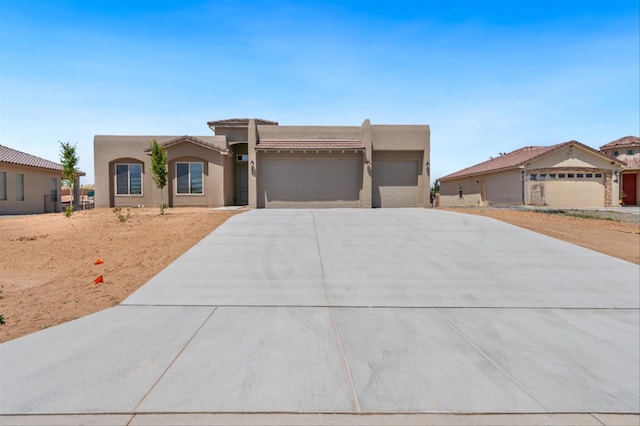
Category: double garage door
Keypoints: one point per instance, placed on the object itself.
(290, 183)
(337, 182)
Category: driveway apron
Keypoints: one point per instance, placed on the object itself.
(350, 311)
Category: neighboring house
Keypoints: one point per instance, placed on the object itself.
(28, 184)
(627, 150)
(568, 175)
(261, 164)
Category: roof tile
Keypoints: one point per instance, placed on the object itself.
(623, 141)
(13, 156)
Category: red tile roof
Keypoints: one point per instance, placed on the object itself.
(632, 163)
(315, 144)
(504, 161)
(623, 141)
(12, 156)
(517, 158)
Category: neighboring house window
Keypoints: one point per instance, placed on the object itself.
(629, 152)
(561, 175)
(598, 175)
(615, 153)
(552, 175)
(129, 179)
(3, 186)
(570, 175)
(189, 177)
(590, 175)
(533, 176)
(580, 175)
(19, 186)
(543, 176)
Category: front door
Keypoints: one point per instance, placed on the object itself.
(242, 184)
(629, 188)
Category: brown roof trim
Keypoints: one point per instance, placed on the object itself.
(623, 141)
(193, 140)
(13, 156)
(311, 144)
(519, 158)
(240, 122)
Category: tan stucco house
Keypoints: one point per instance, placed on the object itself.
(627, 150)
(28, 184)
(262, 164)
(566, 175)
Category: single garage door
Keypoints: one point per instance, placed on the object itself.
(287, 183)
(395, 183)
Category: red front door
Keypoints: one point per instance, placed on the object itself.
(629, 181)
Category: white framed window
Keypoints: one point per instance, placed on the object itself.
(128, 179)
(3, 186)
(189, 178)
(19, 186)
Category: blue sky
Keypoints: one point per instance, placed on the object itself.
(487, 76)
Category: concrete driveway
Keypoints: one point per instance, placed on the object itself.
(414, 312)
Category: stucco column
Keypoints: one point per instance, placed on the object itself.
(252, 139)
(423, 197)
(367, 161)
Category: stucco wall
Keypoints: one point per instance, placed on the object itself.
(37, 184)
(213, 180)
(109, 150)
(308, 132)
(112, 150)
(503, 188)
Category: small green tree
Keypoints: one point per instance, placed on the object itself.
(69, 160)
(159, 169)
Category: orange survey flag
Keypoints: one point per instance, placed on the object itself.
(99, 261)
(98, 280)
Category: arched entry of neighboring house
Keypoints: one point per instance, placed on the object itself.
(630, 189)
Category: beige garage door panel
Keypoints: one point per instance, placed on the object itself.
(395, 183)
(286, 183)
(570, 193)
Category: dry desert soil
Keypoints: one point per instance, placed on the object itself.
(47, 268)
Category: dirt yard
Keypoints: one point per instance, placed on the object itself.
(47, 268)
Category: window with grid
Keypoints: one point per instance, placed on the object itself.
(129, 179)
(3, 186)
(19, 186)
(189, 178)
